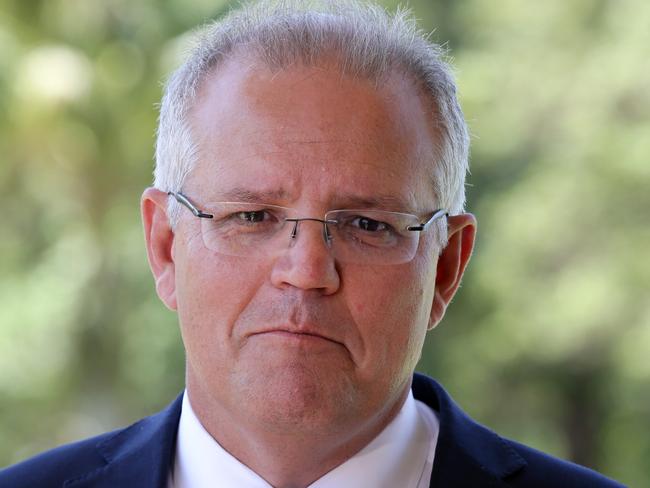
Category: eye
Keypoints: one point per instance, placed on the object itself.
(253, 216)
(369, 225)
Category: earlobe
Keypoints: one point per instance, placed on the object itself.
(452, 263)
(159, 239)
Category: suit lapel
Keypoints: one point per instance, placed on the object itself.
(140, 455)
(467, 455)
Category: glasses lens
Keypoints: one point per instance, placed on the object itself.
(242, 229)
(373, 236)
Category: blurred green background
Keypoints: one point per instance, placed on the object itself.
(548, 341)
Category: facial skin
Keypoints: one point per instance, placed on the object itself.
(296, 361)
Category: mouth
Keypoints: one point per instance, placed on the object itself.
(296, 336)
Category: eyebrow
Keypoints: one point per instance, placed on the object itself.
(387, 202)
(240, 194)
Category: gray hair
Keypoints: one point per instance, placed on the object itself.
(366, 41)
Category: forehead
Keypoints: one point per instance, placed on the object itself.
(311, 132)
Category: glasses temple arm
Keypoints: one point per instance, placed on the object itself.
(182, 199)
(436, 215)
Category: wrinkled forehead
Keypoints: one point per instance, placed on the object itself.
(256, 125)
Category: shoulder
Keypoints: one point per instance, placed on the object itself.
(52, 468)
(543, 470)
(117, 458)
(467, 450)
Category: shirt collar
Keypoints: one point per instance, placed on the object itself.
(401, 455)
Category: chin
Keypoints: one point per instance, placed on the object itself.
(290, 395)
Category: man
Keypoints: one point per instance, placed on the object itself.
(306, 224)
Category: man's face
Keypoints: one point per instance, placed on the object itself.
(313, 140)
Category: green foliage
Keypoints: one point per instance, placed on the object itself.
(548, 339)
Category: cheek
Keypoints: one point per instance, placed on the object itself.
(391, 291)
(212, 291)
(392, 313)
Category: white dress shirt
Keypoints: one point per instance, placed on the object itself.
(401, 455)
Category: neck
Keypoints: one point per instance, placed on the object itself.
(288, 457)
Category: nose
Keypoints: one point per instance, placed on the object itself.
(306, 262)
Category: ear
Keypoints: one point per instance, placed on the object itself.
(452, 263)
(159, 239)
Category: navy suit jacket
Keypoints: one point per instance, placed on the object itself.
(468, 455)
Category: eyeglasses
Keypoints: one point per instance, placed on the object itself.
(363, 236)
